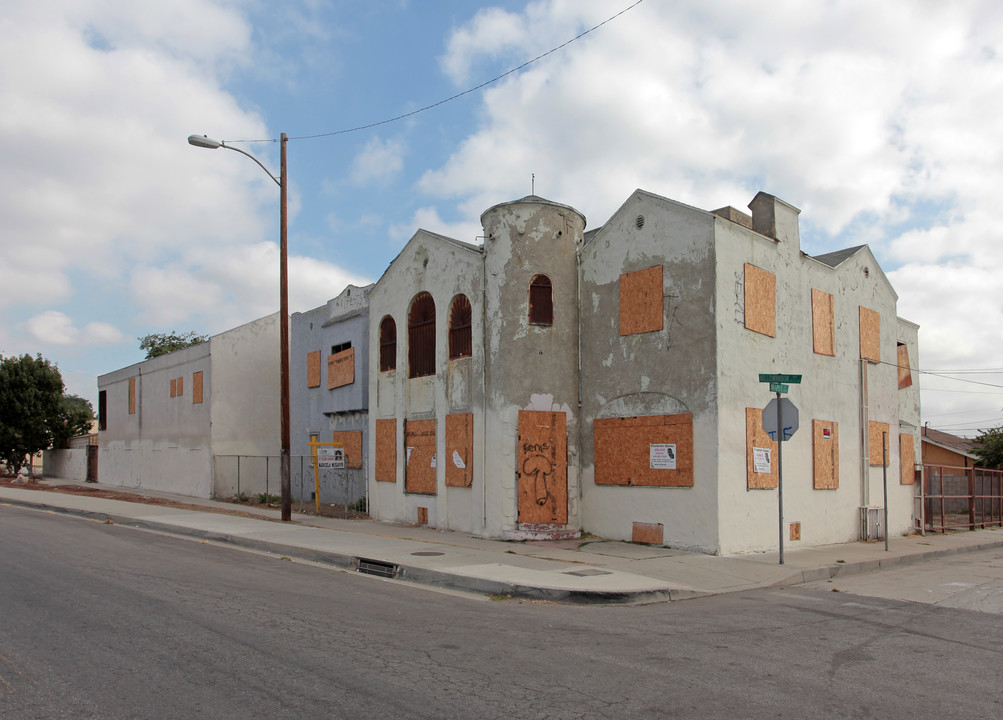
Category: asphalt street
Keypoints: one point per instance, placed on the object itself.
(104, 621)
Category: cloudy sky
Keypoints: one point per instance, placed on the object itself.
(880, 121)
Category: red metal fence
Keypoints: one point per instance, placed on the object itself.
(960, 498)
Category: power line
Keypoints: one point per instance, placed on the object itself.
(457, 95)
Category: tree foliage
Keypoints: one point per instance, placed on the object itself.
(31, 405)
(157, 344)
(989, 447)
(76, 416)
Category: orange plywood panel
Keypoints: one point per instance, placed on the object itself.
(760, 300)
(460, 450)
(654, 450)
(822, 325)
(313, 369)
(825, 454)
(351, 440)
(870, 334)
(542, 475)
(874, 435)
(197, 387)
(641, 301)
(341, 368)
(174, 387)
(907, 459)
(132, 396)
(650, 533)
(905, 373)
(420, 461)
(760, 452)
(422, 515)
(181, 387)
(386, 450)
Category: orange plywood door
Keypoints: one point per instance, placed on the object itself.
(542, 475)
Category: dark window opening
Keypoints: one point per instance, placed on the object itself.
(460, 344)
(388, 344)
(335, 349)
(541, 301)
(103, 410)
(421, 336)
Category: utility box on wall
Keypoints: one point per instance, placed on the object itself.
(872, 524)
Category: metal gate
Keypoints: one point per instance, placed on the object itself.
(960, 498)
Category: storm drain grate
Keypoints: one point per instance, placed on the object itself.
(379, 568)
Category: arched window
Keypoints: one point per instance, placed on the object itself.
(421, 336)
(541, 301)
(459, 328)
(388, 344)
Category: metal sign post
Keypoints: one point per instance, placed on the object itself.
(780, 429)
(884, 479)
(325, 455)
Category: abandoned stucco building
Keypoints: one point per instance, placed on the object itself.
(552, 381)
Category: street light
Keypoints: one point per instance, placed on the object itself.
(205, 142)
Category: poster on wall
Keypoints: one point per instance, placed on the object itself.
(662, 456)
(761, 460)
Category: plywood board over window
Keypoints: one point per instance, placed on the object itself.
(542, 475)
(907, 459)
(822, 326)
(654, 450)
(197, 387)
(420, 461)
(825, 454)
(386, 450)
(174, 387)
(341, 368)
(641, 301)
(460, 450)
(905, 373)
(313, 369)
(760, 300)
(760, 453)
(132, 396)
(181, 387)
(351, 440)
(870, 334)
(874, 439)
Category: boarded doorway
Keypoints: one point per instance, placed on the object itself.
(542, 475)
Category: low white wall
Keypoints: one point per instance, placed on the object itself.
(67, 464)
(156, 466)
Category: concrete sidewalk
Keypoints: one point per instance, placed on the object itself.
(586, 570)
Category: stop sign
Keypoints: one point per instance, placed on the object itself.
(788, 414)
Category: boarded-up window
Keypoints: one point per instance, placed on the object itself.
(420, 461)
(181, 387)
(341, 368)
(351, 440)
(877, 434)
(760, 300)
(388, 344)
(542, 474)
(822, 325)
(654, 450)
(460, 315)
(825, 454)
(905, 373)
(421, 336)
(174, 387)
(386, 450)
(907, 459)
(760, 453)
(132, 396)
(641, 301)
(541, 301)
(197, 387)
(313, 369)
(870, 334)
(460, 450)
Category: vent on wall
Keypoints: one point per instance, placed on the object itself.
(639, 222)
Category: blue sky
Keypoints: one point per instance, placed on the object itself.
(880, 121)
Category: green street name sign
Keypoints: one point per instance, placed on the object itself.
(779, 387)
(792, 379)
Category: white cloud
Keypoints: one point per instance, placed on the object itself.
(427, 218)
(55, 328)
(379, 162)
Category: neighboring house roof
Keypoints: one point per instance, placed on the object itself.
(835, 258)
(960, 445)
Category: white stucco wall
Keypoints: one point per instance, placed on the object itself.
(66, 463)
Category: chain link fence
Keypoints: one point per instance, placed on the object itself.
(259, 477)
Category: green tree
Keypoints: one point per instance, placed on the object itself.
(158, 344)
(989, 447)
(76, 416)
(31, 393)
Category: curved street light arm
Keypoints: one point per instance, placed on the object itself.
(278, 181)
